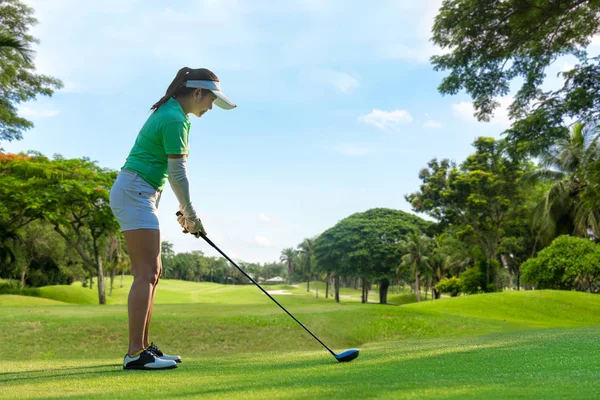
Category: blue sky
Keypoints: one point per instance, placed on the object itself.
(338, 108)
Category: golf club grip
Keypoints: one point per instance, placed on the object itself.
(265, 292)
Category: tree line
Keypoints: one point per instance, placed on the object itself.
(496, 219)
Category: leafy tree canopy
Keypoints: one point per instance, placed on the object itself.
(494, 42)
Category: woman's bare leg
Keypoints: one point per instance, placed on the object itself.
(144, 252)
(149, 318)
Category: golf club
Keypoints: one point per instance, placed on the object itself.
(344, 356)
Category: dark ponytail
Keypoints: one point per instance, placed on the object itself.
(177, 87)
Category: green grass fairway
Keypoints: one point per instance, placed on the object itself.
(548, 364)
(175, 291)
(170, 292)
(237, 344)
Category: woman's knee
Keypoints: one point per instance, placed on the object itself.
(149, 274)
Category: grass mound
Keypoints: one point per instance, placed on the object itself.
(11, 300)
(74, 294)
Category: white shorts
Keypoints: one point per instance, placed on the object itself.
(134, 202)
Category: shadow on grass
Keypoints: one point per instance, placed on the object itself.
(52, 372)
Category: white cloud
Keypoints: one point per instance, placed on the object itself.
(432, 124)
(28, 112)
(269, 220)
(386, 119)
(352, 150)
(411, 43)
(465, 110)
(342, 82)
(262, 241)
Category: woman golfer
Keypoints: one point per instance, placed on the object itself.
(159, 153)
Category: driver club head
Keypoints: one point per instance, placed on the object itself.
(347, 355)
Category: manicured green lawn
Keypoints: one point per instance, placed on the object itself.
(549, 364)
(237, 344)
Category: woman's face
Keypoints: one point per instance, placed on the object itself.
(202, 102)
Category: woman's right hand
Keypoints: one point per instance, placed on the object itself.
(192, 225)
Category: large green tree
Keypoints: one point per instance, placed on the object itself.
(366, 245)
(24, 196)
(477, 195)
(18, 80)
(82, 215)
(493, 43)
(71, 194)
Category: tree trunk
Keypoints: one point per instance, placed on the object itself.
(308, 284)
(510, 271)
(384, 285)
(519, 280)
(290, 272)
(112, 280)
(101, 286)
(23, 278)
(91, 280)
(362, 292)
(122, 272)
(317, 285)
(487, 273)
(327, 287)
(365, 285)
(417, 286)
(337, 288)
(101, 290)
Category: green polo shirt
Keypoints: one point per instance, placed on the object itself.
(165, 132)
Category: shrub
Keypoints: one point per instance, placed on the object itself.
(568, 263)
(13, 287)
(471, 281)
(449, 285)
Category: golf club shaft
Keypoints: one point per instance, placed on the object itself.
(265, 292)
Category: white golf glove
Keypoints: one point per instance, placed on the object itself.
(191, 225)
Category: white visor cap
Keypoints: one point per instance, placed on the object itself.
(221, 101)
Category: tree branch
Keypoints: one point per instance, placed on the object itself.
(76, 246)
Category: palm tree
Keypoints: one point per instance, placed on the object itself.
(564, 165)
(11, 43)
(417, 249)
(306, 249)
(288, 256)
